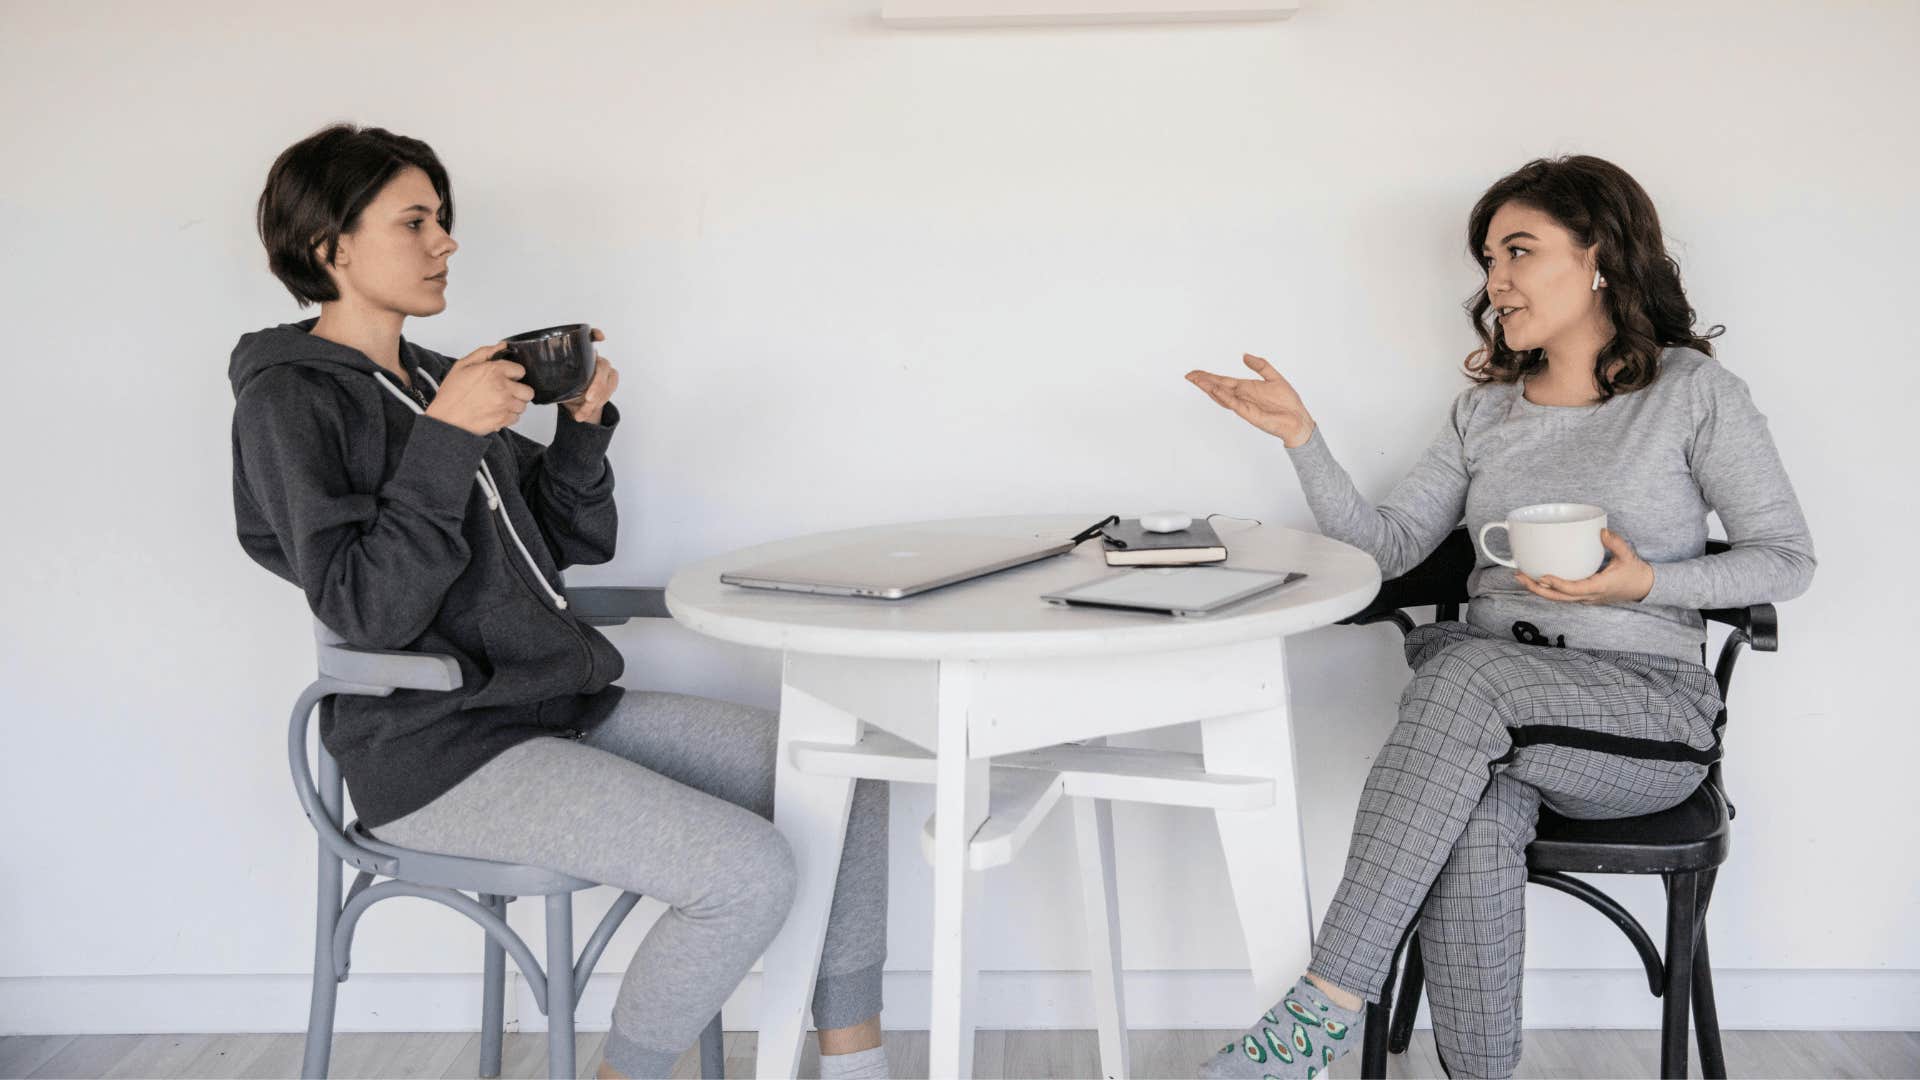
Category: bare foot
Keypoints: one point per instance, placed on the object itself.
(851, 1039)
(1335, 994)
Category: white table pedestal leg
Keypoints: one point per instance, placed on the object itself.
(811, 812)
(1100, 904)
(960, 807)
(1266, 858)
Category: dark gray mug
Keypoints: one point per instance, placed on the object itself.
(559, 361)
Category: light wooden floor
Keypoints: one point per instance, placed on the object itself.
(999, 1054)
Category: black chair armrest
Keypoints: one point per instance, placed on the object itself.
(1760, 623)
(611, 605)
(1383, 614)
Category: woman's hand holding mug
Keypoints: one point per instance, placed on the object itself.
(481, 395)
(1268, 403)
(1627, 579)
(1560, 553)
(606, 379)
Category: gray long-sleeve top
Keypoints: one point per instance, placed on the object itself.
(1657, 460)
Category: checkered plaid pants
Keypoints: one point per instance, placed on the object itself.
(1451, 803)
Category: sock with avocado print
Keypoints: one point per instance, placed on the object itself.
(1298, 1038)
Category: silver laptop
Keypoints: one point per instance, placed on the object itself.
(896, 566)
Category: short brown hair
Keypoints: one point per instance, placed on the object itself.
(316, 191)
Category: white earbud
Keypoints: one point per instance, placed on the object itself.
(1598, 281)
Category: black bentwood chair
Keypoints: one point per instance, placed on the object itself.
(1684, 845)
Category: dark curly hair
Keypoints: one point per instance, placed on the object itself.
(316, 191)
(1604, 208)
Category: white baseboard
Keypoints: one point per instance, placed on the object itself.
(1615, 998)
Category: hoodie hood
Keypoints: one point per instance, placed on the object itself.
(294, 343)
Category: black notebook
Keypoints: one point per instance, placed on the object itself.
(1130, 545)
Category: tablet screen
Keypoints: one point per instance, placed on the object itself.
(1174, 588)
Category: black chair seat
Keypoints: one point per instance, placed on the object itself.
(1690, 836)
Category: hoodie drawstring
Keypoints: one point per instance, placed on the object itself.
(487, 485)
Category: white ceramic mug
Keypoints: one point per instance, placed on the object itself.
(1561, 539)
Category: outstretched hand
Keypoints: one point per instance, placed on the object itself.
(1269, 402)
(1626, 579)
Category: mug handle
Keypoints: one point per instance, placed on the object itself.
(1488, 527)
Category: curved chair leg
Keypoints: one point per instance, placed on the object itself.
(1713, 1062)
(713, 1052)
(560, 986)
(1373, 1042)
(1406, 1004)
(1682, 927)
(326, 985)
(493, 994)
(1706, 1016)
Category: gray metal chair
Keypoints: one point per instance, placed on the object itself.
(446, 879)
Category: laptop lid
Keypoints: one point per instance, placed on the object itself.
(897, 565)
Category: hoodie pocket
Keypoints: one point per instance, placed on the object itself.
(532, 654)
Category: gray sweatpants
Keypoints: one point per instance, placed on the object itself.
(670, 797)
(1451, 803)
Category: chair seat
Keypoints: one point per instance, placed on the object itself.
(1690, 836)
(468, 875)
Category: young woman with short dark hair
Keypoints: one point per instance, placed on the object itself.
(384, 479)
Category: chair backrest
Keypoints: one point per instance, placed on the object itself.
(348, 669)
(345, 669)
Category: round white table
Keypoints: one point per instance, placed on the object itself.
(1003, 702)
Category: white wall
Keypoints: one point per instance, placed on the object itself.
(852, 275)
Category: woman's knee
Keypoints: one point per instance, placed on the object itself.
(753, 879)
(771, 868)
